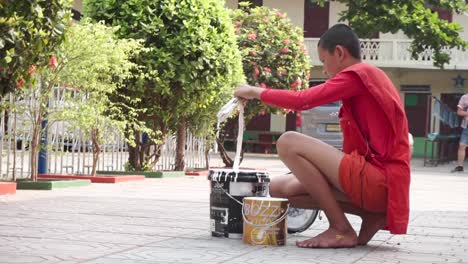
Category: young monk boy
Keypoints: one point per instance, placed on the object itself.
(371, 176)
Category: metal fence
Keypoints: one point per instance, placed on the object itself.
(68, 150)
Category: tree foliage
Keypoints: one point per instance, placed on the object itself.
(273, 52)
(30, 31)
(273, 56)
(95, 63)
(191, 59)
(416, 18)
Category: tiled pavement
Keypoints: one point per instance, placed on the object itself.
(167, 221)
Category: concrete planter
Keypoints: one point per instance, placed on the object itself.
(50, 184)
(197, 172)
(147, 174)
(7, 188)
(95, 179)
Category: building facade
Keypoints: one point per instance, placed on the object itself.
(416, 79)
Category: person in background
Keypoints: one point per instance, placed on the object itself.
(462, 111)
(371, 177)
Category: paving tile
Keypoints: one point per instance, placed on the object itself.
(167, 221)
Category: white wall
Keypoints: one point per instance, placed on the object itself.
(277, 123)
(78, 5)
(293, 8)
(463, 21)
(231, 4)
(335, 9)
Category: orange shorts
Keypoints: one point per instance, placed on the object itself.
(363, 183)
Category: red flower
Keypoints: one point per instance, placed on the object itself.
(252, 36)
(53, 62)
(263, 85)
(19, 83)
(267, 69)
(32, 69)
(284, 50)
(286, 41)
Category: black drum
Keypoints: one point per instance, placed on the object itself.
(228, 188)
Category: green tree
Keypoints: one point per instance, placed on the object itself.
(273, 56)
(30, 31)
(95, 63)
(416, 18)
(192, 59)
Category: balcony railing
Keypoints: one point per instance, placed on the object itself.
(395, 53)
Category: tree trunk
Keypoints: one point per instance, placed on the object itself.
(207, 157)
(180, 148)
(228, 162)
(134, 153)
(23, 140)
(96, 150)
(35, 146)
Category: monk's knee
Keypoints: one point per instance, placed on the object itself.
(278, 188)
(286, 142)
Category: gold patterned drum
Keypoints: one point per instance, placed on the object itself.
(265, 221)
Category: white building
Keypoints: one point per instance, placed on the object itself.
(415, 78)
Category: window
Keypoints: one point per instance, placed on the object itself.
(316, 19)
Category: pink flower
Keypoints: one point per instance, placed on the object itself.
(286, 41)
(32, 69)
(53, 62)
(297, 83)
(263, 85)
(262, 112)
(238, 31)
(19, 83)
(238, 23)
(256, 71)
(284, 50)
(253, 53)
(252, 36)
(253, 63)
(267, 69)
(281, 15)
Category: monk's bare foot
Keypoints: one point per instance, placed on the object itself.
(331, 238)
(370, 225)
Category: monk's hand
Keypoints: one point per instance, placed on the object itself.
(248, 92)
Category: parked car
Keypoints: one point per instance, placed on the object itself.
(322, 122)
